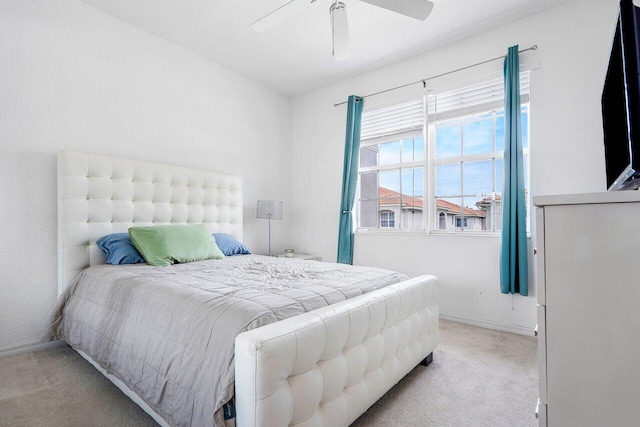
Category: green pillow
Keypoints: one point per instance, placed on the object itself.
(164, 245)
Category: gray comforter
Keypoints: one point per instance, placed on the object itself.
(168, 332)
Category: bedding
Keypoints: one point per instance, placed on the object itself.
(168, 332)
(119, 249)
(164, 245)
(229, 245)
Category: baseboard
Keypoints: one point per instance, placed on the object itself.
(28, 348)
(487, 324)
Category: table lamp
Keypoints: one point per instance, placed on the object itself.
(269, 209)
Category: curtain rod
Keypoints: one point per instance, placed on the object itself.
(423, 81)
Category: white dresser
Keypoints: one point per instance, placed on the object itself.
(588, 276)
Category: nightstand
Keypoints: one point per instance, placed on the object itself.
(301, 256)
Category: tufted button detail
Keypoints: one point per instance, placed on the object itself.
(336, 361)
(101, 194)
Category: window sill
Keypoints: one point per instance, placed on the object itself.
(466, 233)
(397, 232)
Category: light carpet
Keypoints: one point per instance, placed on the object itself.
(479, 377)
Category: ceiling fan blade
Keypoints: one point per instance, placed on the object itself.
(273, 18)
(417, 9)
(340, 32)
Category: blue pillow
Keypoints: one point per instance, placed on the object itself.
(229, 245)
(119, 249)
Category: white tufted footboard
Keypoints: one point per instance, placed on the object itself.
(328, 366)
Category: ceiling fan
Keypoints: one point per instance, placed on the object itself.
(417, 9)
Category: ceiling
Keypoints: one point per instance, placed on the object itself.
(295, 56)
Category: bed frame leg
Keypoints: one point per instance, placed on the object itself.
(427, 360)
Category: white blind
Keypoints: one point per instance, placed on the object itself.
(400, 118)
(409, 116)
(480, 97)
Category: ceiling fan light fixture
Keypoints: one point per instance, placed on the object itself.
(340, 31)
(341, 43)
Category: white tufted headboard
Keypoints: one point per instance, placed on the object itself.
(100, 195)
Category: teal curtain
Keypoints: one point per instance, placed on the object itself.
(514, 271)
(349, 179)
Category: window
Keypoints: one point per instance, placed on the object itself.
(387, 219)
(439, 169)
(467, 131)
(392, 165)
(462, 220)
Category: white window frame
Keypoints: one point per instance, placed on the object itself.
(379, 133)
(458, 219)
(390, 167)
(390, 219)
(429, 212)
(432, 162)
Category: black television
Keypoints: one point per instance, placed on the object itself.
(621, 103)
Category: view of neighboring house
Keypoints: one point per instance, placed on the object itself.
(451, 216)
(397, 210)
(392, 215)
(493, 207)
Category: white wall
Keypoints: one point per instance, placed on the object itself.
(73, 78)
(566, 153)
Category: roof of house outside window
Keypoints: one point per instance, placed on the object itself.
(392, 198)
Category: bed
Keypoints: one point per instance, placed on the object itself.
(250, 340)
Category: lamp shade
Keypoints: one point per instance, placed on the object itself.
(269, 209)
